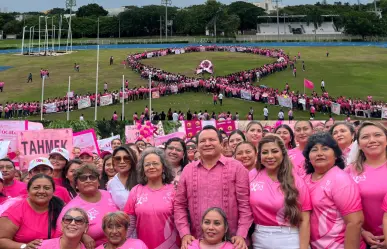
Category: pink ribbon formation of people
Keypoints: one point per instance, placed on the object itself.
(241, 84)
(290, 187)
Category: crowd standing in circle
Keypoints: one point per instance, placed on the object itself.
(257, 188)
(221, 87)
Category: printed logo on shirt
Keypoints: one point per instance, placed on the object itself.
(359, 178)
(142, 199)
(92, 214)
(327, 186)
(168, 197)
(254, 186)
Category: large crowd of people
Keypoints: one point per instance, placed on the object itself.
(229, 86)
(293, 188)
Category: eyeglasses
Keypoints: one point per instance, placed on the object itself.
(191, 147)
(154, 164)
(7, 167)
(67, 219)
(118, 159)
(174, 148)
(84, 178)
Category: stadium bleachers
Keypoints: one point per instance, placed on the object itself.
(296, 28)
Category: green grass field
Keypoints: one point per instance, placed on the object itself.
(349, 71)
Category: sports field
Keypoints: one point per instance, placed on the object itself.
(348, 71)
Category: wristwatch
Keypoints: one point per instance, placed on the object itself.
(23, 246)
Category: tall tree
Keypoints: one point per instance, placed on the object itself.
(247, 12)
(92, 9)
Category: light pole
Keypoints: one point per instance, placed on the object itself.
(52, 33)
(70, 4)
(24, 31)
(166, 3)
(39, 32)
(46, 37)
(29, 46)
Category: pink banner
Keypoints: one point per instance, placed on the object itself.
(33, 144)
(131, 134)
(163, 139)
(86, 140)
(227, 126)
(192, 127)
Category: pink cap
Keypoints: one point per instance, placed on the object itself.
(86, 152)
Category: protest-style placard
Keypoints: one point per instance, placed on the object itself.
(86, 140)
(162, 139)
(33, 144)
(106, 143)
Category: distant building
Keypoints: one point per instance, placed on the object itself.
(268, 5)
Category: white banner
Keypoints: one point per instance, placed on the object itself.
(232, 50)
(4, 146)
(149, 55)
(285, 102)
(182, 51)
(70, 94)
(84, 103)
(202, 49)
(106, 144)
(245, 94)
(106, 100)
(177, 51)
(384, 113)
(174, 89)
(335, 108)
(50, 107)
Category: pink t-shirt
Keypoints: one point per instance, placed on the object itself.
(267, 200)
(129, 243)
(384, 204)
(298, 161)
(373, 186)
(32, 225)
(154, 212)
(15, 190)
(58, 181)
(196, 245)
(95, 212)
(327, 227)
(54, 244)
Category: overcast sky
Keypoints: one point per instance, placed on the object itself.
(41, 5)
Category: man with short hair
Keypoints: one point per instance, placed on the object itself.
(214, 181)
(12, 187)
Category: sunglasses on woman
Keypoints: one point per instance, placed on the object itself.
(118, 159)
(67, 219)
(191, 147)
(83, 178)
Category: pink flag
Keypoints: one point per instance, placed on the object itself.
(308, 84)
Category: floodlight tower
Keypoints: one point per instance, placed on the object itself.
(70, 4)
(166, 3)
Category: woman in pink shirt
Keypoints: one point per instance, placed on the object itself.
(246, 153)
(254, 132)
(280, 201)
(344, 134)
(59, 157)
(236, 137)
(94, 201)
(287, 135)
(115, 226)
(337, 215)
(150, 203)
(191, 149)
(302, 131)
(177, 157)
(369, 171)
(215, 231)
(74, 224)
(31, 220)
(68, 176)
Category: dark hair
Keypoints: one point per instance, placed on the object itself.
(350, 127)
(132, 178)
(7, 160)
(167, 170)
(55, 205)
(190, 141)
(246, 142)
(310, 123)
(183, 161)
(139, 141)
(285, 178)
(324, 139)
(129, 145)
(210, 127)
(104, 177)
(65, 182)
(222, 132)
(240, 133)
(292, 143)
(220, 211)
